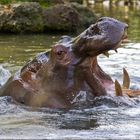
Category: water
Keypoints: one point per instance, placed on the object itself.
(106, 117)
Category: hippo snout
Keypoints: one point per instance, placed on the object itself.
(106, 34)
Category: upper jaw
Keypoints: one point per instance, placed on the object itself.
(118, 45)
(106, 34)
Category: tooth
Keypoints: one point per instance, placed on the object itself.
(118, 89)
(106, 54)
(126, 79)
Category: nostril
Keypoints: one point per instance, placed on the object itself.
(101, 19)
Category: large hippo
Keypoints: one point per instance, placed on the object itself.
(55, 78)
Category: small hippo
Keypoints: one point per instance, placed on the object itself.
(54, 78)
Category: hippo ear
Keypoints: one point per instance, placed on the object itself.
(126, 79)
(118, 89)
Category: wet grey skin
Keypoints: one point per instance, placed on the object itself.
(106, 34)
(55, 78)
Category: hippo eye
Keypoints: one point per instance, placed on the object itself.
(60, 53)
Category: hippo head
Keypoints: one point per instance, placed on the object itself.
(106, 34)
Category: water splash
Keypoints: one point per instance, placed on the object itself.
(4, 75)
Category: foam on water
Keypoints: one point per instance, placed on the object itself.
(4, 75)
(105, 117)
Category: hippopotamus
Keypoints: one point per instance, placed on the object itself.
(54, 78)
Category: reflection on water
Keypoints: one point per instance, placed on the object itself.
(105, 117)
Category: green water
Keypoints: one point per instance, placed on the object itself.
(16, 50)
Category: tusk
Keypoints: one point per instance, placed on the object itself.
(126, 79)
(106, 54)
(118, 89)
